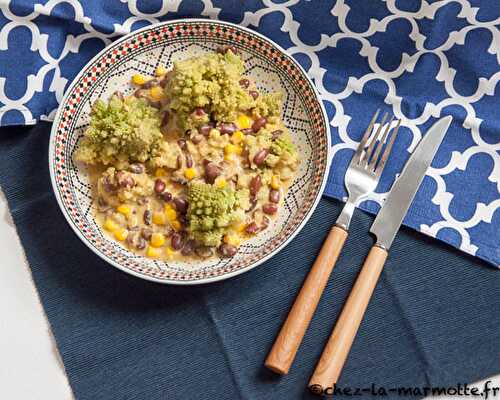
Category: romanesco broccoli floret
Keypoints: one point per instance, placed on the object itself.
(120, 131)
(268, 104)
(210, 210)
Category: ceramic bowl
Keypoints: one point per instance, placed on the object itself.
(141, 52)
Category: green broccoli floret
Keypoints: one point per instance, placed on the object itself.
(210, 210)
(281, 145)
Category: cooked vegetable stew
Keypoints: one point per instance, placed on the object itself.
(193, 163)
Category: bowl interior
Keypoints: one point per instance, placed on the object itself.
(142, 52)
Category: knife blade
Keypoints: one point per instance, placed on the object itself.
(395, 207)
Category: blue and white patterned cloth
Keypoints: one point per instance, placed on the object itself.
(419, 59)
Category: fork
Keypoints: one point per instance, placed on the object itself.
(361, 179)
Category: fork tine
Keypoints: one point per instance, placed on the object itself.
(377, 151)
(369, 151)
(362, 144)
(387, 150)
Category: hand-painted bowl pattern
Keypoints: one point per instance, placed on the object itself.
(141, 52)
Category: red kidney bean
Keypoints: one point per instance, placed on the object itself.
(203, 251)
(182, 143)
(247, 131)
(189, 160)
(270, 208)
(176, 241)
(164, 82)
(159, 186)
(254, 94)
(260, 157)
(155, 104)
(140, 244)
(224, 49)
(179, 161)
(227, 128)
(244, 83)
(166, 196)
(188, 248)
(199, 112)
(259, 123)
(276, 134)
(227, 250)
(124, 179)
(181, 205)
(136, 168)
(252, 228)
(205, 128)
(141, 94)
(146, 233)
(274, 196)
(147, 217)
(255, 185)
(149, 84)
(197, 138)
(212, 171)
(107, 185)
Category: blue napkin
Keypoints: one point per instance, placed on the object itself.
(416, 60)
(433, 319)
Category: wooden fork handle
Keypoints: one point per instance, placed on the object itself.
(288, 341)
(336, 350)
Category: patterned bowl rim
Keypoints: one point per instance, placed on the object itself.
(307, 216)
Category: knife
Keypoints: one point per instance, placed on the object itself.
(385, 228)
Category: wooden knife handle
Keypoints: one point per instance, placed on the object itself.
(288, 341)
(336, 350)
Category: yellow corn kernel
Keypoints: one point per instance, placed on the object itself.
(121, 234)
(176, 224)
(157, 239)
(160, 70)
(220, 182)
(228, 157)
(160, 172)
(170, 213)
(167, 207)
(152, 252)
(237, 137)
(190, 173)
(169, 252)
(233, 240)
(241, 228)
(159, 218)
(124, 209)
(139, 79)
(244, 122)
(214, 133)
(156, 93)
(232, 149)
(110, 225)
(275, 182)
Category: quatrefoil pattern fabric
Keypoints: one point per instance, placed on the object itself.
(417, 59)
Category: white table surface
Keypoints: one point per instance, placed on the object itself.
(30, 367)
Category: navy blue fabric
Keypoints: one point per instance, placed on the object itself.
(418, 62)
(434, 318)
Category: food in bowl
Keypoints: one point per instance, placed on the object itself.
(193, 163)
